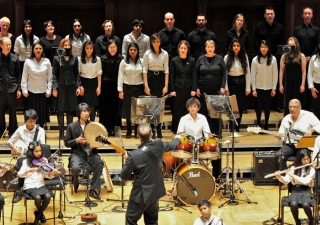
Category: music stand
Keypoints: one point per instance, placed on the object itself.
(147, 109)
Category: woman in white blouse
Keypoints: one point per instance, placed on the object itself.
(77, 37)
(130, 82)
(156, 72)
(90, 74)
(238, 79)
(24, 42)
(36, 83)
(314, 81)
(264, 79)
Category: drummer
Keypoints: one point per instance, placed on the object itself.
(79, 159)
(196, 125)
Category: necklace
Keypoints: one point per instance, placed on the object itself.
(208, 62)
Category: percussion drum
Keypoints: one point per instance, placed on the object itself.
(209, 149)
(194, 182)
(91, 131)
(184, 150)
(170, 163)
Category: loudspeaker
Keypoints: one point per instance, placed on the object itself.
(264, 164)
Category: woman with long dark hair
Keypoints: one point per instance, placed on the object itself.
(36, 83)
(238, 79)
(292, 75)
(156, 72)
(264, 79)
(301, 180)
(110, 116)
(130, 82)
(90, 74)
(50, 40)
(66, 84)
(24, 42)
(183, 82)
(314, 81)
(77, 37)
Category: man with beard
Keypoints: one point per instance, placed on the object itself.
(199, 36)
(136, 36)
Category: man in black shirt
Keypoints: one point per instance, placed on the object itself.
(307, 34)
(199, 36)
(101, 41)
(171, 36)
(9, 85)
(273, 32)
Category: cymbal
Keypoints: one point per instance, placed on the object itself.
(228, 141)
(238, 134)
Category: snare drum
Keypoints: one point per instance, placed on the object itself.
(209, 149)
(184, 150)
(170, 163)
(194, 182)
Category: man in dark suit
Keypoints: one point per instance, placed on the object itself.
(148, 186)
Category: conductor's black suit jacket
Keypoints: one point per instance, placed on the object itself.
(148, 185)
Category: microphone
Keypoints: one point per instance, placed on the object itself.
(167, 96)
(194, 190)
(87, 148)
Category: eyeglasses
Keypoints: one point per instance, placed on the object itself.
(76, 25)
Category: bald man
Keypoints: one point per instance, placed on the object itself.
(10, 78)
(298, 123)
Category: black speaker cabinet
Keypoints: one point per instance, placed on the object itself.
(264, 164)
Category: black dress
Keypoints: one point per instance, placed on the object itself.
(183, 80)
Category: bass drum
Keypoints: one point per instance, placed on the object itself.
(170, 163)
(194, 182)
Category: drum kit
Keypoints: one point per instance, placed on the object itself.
(191, 177)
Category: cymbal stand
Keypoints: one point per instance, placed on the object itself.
(233, 200)
(226, 185)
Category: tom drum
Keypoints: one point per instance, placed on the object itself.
(209, 149)
(184, 150)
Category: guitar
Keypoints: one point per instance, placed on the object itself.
(107, 177)
(257, 129)
(104, 140)
(20, 145)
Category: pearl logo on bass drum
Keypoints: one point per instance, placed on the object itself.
(191, 174)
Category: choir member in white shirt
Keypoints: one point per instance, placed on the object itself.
(24, 42)
(314, 81)
(77, 37)
(238, 79)
(130, 82)
(301, 180)
(206, 218)
(264, 79)
(90, 74)
(156, 72)
(34, 180)
(36, 83)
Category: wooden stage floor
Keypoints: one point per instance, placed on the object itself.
(242, 214)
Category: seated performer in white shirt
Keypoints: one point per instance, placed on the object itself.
(21, 138)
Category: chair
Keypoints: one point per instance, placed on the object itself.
(50, 183)
(290, 186)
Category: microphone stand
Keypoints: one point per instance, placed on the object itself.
(233, 200)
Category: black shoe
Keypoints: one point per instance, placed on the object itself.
(76, 186)
(16, 198)
(279, 110)
(43, 219)
(94, 194)
(36, 221)
(245, 111)
(128, 135)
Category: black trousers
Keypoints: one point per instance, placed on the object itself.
(149, 211)
(8, 101)
(93, 164)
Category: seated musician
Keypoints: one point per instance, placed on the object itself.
(79, 158)
(23, 136)
(301, 180)
(196, 125)
(302, 123)
(205, 208)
